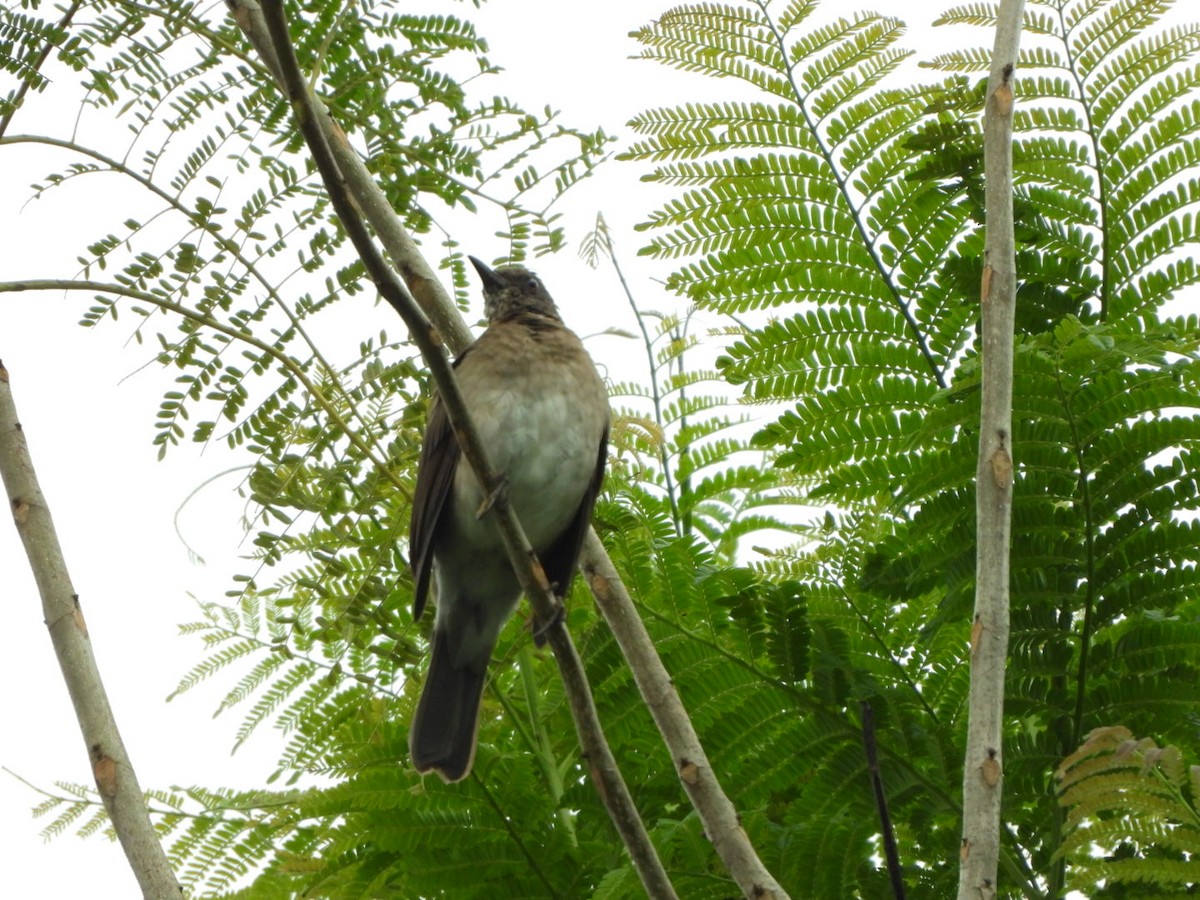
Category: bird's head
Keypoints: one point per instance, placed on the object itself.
(512, 290)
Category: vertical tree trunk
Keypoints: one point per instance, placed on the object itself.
(983, 765)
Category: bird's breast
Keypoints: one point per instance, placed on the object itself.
(542, 416)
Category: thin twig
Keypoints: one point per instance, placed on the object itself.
(890, 852)
(656, 392)
(294, 369)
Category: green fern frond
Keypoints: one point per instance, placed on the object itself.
(1120, 792)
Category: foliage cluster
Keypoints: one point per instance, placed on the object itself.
(1135, 797)
(850, 211)
(835, 219)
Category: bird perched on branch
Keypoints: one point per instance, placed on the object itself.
(541, 411)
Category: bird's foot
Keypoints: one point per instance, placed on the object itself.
(542, 629)
(490, 500)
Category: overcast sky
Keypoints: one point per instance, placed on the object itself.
(87, 402)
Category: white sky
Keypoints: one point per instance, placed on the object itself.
(88, 411)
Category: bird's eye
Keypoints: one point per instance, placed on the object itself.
(533, 285)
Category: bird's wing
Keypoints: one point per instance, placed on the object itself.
(560, 559)
(435, 474)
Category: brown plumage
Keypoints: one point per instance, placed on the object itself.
(542, 413)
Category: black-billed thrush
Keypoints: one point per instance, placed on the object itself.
(542, 413)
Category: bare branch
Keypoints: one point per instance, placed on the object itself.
(983, 765)
(721, 822)
(115, 778)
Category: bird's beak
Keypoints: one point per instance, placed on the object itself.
(491, 282)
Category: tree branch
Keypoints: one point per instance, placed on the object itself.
(371, 202)
(285, 361)
(114, 774)
(983, 765)
(722, 825)
(612, 788)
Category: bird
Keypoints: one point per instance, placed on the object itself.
(541, 411)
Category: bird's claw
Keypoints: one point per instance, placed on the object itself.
(542, 629)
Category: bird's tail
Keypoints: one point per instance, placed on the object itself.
(442, 735)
